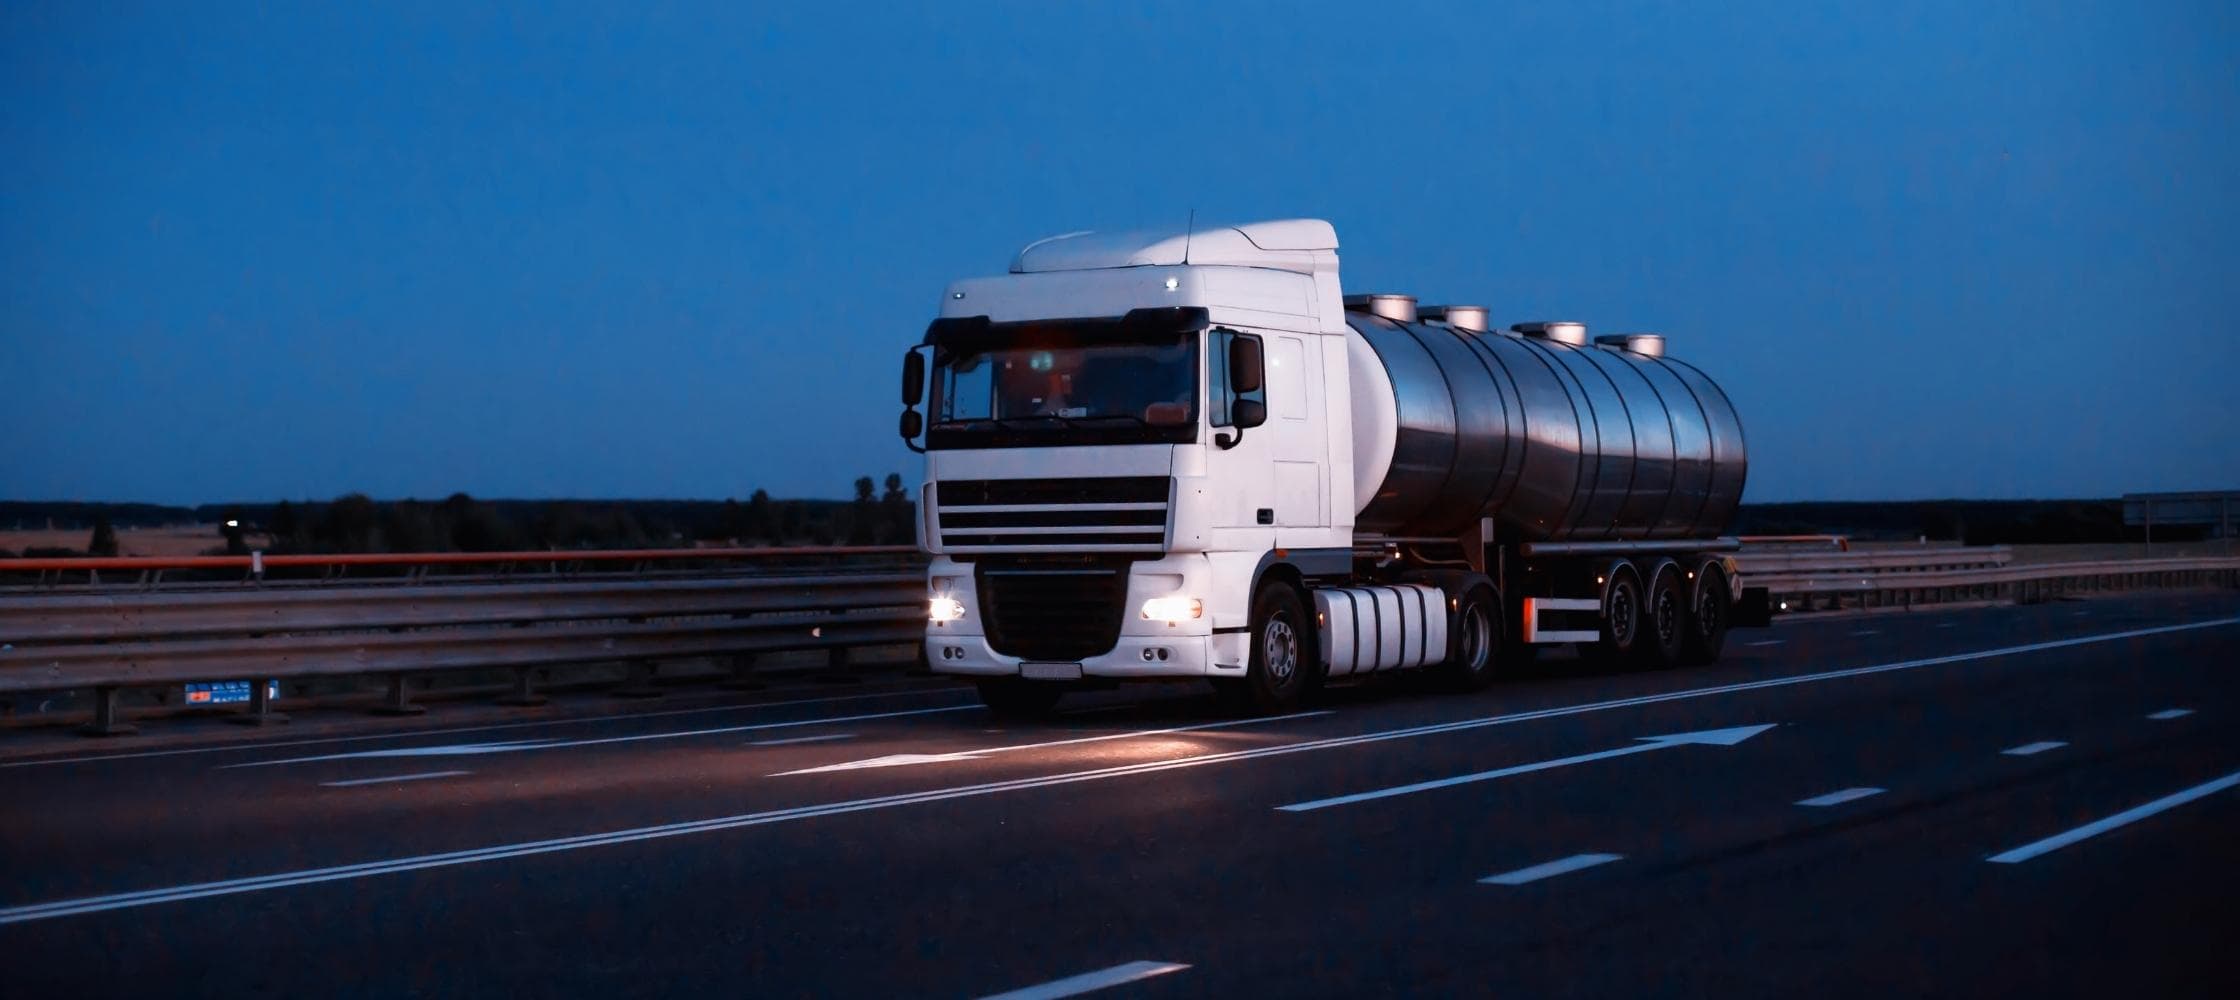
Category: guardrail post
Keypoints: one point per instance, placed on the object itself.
(260, 711)
(399, 701)
(106, 719)
(524, 693)
(640, 684)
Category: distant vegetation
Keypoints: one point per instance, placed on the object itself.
(460, 523)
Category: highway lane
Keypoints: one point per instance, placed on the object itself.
(958, 894)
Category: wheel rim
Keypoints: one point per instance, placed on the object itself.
(1668, 618)
(1477, 639)
(1708, 610)
(1279, 649)
(1621, 613)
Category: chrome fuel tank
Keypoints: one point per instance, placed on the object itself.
(1555, 439)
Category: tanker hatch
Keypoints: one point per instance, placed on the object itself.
(1645, 344)
(1469, 319)
(1397, 308)
(1574, 334)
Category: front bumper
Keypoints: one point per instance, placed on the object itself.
(1133, 656)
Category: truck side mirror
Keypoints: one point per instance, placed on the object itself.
(913, 379)
(1248, 413)
(912, 424)
(1244, 369)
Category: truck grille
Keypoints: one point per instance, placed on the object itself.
(1053, 613)
(1102, 514)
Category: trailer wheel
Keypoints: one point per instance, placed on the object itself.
(1283, 667)
(1665, 622)
(1621, 618)
(1474, 641)
(1708, 616)
(1013, 698)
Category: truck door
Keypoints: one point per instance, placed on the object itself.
(1296, 437)
(1241, 462)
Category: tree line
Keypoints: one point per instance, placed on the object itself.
(461, 523)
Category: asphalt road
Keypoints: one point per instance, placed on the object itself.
(1996, 801)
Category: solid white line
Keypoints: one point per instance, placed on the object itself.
(147, 897)
(1766, 642)
(1559, 866)
(1089, 982)
(2027, 749)
(2168, 714)
(1867, 631)
(393, 779)
(801, 739)
(1839, 798)
(563, 744)
(417, 733)
(2126, 817)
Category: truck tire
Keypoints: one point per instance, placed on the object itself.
(1475, 645)
(1283, 668)
(1621, 619)
(1709, 613)
(1013, 698)
(1664, 620)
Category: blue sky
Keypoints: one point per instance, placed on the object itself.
(1982, 250)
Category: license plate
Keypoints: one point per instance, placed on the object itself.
(1039, 671)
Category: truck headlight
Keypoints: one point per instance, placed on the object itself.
(944, 609)
(1173, 609)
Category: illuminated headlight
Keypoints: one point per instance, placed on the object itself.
(944, 609)
(1173, 609)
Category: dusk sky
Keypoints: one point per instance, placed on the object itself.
(297, 250)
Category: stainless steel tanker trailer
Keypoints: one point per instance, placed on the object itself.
(1192, 454)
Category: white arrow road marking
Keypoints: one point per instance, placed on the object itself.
(902, 759)
(1708, 737)
(1089, 982)
(477, 748)
(1560, 866)
(2027, 749)
(2168, 714)
(1839, 798)
(53, 909)
(2126, 817)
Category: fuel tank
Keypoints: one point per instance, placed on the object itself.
(1556, 438)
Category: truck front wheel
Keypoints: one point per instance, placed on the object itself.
(1282, 668)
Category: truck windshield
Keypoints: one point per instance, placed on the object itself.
(1051, 385)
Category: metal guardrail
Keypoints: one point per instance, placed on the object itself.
(61, 636)
(107, 638)
(1831, 589)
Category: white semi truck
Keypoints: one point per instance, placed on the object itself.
(1192, 454)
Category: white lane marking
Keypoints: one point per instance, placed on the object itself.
(1867, 631)
(494, 727)
(1766, 642)
(2027, 749)
(901, 759)
(1089, 982)
(1560, 866)
(802, 739)
(1707, 737)
(482, 748)
(148, 897)
(1948, 625)
(392, 779)
(2124, 818)
(2168, 714)
(1839, 798)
